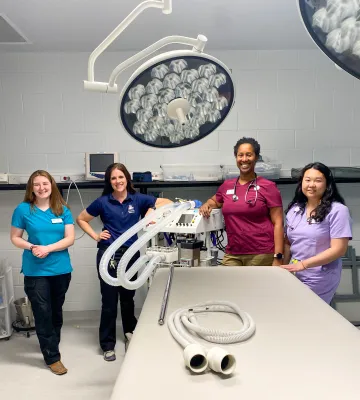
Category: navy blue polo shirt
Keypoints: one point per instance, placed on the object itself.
(119, 217)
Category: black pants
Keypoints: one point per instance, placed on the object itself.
(110, 297)
(47, 296)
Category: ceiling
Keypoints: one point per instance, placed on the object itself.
(80, 25)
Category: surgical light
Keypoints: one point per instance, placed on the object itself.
(176, 99)
(173, 99)
(334, 26)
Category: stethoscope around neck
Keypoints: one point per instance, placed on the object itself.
(298, 211)
(253, 184)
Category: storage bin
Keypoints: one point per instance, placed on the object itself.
(6, 299)
(191, 172)
(230, 171)
(266, 170)
(5, 324)
(338, 172)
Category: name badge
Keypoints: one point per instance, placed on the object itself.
(56, 220)
(230, 191)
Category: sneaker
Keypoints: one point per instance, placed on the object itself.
(109, 355)
(128, 337)
(58, 368)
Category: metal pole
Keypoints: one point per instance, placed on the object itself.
(166, 297)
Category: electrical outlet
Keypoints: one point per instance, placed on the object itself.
(64, 178)
(16, 179)
(4, 178)
(59, 178)
(78, 177)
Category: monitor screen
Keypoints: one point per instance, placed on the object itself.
(186, 218)
(99, 162)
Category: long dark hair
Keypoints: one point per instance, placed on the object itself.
(121, 167)
(330, 195)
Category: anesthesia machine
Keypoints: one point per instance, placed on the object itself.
(174, 99)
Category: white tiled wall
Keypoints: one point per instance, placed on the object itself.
(296, 103)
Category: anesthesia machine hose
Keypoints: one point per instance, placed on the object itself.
(197, 358)
(167, 213)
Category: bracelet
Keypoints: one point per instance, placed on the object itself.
(303, 265)
(31, 247)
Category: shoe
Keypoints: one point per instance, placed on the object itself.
(109, 355)
(128, 337)
(58, 368)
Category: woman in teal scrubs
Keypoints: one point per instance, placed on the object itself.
(46, 265)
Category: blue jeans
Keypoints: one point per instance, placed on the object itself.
(47, 296)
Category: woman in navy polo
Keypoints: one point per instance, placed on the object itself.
(46, 265)
(119, 208)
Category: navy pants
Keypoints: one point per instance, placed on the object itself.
(110, 296)
(47, 296)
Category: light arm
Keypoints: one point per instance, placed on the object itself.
(164, 5)
(198, 45)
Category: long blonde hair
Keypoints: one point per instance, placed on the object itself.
(56, 200)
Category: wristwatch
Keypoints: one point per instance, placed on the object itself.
(279, 256)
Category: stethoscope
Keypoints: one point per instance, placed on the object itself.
(253, 184)
(296, 211)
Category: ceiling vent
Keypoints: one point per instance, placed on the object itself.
(9, 34)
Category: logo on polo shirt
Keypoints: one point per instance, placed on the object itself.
(131, 209)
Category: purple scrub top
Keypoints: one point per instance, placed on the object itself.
(309, 239)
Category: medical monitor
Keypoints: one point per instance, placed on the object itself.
(96, 164)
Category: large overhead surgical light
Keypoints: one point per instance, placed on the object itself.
(334, 25)
(173, 99)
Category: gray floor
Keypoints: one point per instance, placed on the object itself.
(23, 373)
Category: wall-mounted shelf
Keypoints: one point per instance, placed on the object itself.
(144, 186)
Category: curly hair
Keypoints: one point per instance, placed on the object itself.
(330, 195)
(255, 145)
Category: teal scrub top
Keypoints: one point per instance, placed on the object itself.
(43, 228)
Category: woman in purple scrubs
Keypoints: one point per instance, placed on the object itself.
(318, 229)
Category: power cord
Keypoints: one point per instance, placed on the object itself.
(219, 241)
(81, 201)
